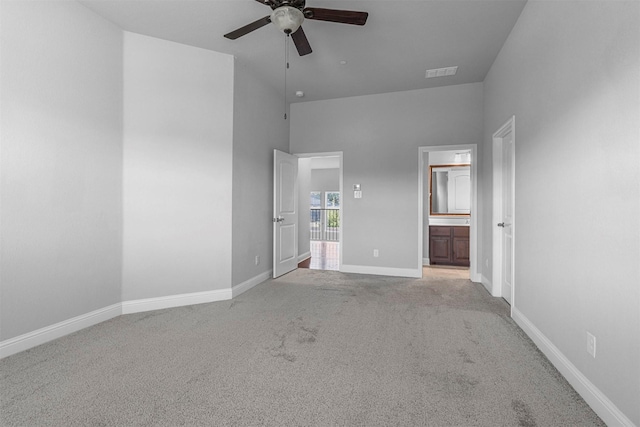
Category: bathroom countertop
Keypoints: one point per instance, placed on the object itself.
(448, 222)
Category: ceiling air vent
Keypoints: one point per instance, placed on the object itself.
(441, 72)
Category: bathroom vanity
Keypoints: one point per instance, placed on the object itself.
(449, 214)
(449, 245)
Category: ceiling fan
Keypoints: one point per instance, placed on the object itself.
(288, 15)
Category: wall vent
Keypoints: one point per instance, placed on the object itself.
(441, 72)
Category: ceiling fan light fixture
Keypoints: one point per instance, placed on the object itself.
(287, 18)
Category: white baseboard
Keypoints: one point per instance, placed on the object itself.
(57, 330)
(425, 261)
(66, 327)
(487, 284)
(248, 284)
(382, 271)
(304, 256)
(475, 277)
(600, 403)
(170, 301)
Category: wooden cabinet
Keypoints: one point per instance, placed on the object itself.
(460, 245)
(449, 245)
(440, 248)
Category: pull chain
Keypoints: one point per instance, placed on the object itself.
(286, 61)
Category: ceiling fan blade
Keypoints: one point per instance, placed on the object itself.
(269, 3)
(334, 15)
(301, 42)
(248, 28)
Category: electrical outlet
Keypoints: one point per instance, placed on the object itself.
(376, 253)
(257, 259)
(591, 345)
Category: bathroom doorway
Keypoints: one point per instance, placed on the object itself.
(451, 234)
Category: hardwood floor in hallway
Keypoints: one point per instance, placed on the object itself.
(324, 256)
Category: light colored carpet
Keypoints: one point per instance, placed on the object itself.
(311, 348)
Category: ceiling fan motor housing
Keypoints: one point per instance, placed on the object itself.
(287, 18)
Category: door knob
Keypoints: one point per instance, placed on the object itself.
(279, 219)
(501, 224)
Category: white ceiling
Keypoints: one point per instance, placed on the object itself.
(401, 40)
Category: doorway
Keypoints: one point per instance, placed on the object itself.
(468, 223)
(321, 211)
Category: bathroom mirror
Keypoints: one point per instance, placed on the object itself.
(450, 190)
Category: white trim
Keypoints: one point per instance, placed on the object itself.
(248, 284)
(57, 330)
(487, 284)
(475, 277)
(75, 324)
(598, 401)
(426, 261)
(170, 301)
(304, 257)
(382, 271)
(421, 249)
(474, 241)
(322, 154)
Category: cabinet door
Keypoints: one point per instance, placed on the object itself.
(440, 245)
(461, 251)
(460, 246)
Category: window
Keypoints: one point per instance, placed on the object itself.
(332, 200)
(315, 199)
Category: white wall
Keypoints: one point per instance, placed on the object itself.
(570, 73)
(258, 128)
(178, 130)
(380, 136)
(61, 167)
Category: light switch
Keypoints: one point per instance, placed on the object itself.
(357, 192)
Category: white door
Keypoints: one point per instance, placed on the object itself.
(285, 213)
(507, 215)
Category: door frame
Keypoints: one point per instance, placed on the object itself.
(498, 136)
(338, 154)
(474, 274)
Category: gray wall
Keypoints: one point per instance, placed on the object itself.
(380, 136)
(304, 188)
(178, 130)
(258, 128)
(324, 180)
(61, 179)
(570, 74)
(65, 90)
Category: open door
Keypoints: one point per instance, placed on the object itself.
(285, 213)
(507, 217)
(504, 212)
